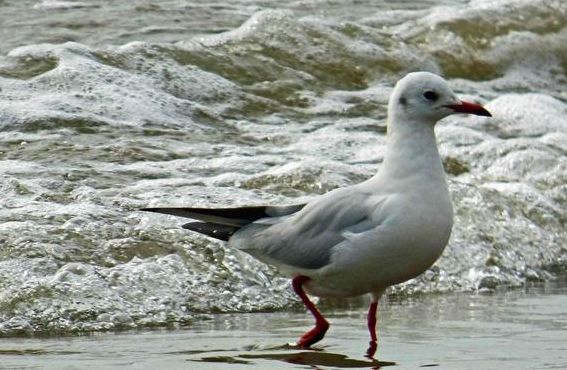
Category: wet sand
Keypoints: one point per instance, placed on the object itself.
(520, 329)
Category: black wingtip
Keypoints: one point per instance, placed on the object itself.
(149, 209)
(217, 231)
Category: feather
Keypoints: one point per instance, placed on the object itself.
(217, 231)
(239, 216)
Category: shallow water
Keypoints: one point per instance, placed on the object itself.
(520, 329)
(107, 107)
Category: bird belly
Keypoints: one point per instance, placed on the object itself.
(375, 262)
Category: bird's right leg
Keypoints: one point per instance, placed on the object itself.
(372, 313)
(373, 344)
(321, 325)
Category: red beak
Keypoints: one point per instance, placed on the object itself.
(470, 108)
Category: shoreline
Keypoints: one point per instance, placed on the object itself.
(503, 330)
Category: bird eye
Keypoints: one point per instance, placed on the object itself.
(430, 95)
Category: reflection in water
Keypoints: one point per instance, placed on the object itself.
(310, 358)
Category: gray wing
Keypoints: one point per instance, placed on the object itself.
(306, 239)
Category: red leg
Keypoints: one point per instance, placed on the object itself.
(372, 320)
(321, 325)
(373, 344)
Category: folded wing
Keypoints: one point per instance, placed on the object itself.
(301, 235)
(307, 238)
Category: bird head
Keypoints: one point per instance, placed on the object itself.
(427, 97)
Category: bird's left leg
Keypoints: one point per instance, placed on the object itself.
(321, 325)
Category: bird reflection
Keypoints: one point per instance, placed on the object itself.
(313, 359)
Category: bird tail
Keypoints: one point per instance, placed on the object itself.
(221, 223)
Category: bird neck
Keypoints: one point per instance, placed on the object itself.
(411, 150)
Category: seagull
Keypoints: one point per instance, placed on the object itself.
(363, 238)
